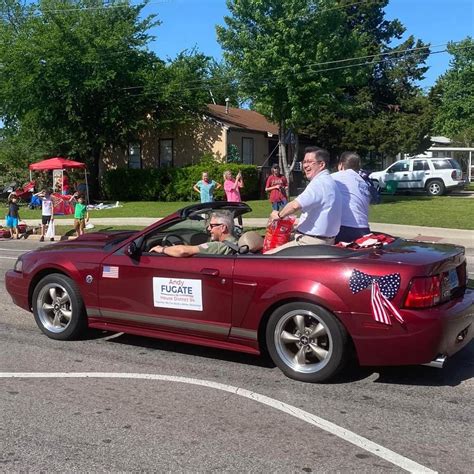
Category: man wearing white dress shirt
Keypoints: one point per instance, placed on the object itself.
(355, 195)
(319, 203)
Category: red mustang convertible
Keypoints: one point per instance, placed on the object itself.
(310, 307)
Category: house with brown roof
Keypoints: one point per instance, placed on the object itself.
(247, 133)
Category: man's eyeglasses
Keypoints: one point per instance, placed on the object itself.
(310, 162)
(211, 226)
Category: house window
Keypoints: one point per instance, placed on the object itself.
(134, 156)
(166, 153)
(247, 151)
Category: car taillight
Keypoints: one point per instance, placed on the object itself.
(424, 292)
(453, 175)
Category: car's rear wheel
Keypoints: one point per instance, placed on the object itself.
(435, 187)
(58, 307)
(307, 342)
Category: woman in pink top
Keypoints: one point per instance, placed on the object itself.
(232, 188)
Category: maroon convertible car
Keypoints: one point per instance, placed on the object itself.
(310, 307)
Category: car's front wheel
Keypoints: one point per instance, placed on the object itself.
(435, 187)
(58, 307)
(307, 342)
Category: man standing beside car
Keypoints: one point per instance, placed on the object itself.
(320, 204)
(356, 197)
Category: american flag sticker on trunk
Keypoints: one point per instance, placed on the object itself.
(110, 272)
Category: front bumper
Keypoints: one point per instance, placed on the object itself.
(17, 286)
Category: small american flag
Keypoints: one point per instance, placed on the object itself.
(382, 308)
(110, 272)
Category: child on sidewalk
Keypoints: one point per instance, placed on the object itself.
(13, 217)
(47, 211)
(81, 215)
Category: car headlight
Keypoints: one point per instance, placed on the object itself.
(18, 267)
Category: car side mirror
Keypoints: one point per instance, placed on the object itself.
(132, 250)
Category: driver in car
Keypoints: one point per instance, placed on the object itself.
(220, 228)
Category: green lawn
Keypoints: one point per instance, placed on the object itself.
(445, 211)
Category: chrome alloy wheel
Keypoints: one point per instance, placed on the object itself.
(54, 307)
(303, 341)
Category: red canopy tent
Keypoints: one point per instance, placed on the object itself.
(59, 163)
(56, 163)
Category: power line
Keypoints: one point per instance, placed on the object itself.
(206, 83)
(102, 7)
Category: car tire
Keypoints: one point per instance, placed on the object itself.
(307, 342)
(376, 184)
(58, 308)
(435, 187)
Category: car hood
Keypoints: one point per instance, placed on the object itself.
(376, 174)
(90, 241)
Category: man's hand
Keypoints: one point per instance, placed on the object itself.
(274, 216)
(157, 249)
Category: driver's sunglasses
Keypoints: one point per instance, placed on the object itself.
(213, 225)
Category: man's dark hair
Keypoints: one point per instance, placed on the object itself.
(275, 166)
(350, 160)
(320, 153)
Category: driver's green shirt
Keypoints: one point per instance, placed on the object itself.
(217, 248)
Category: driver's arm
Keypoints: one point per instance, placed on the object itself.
(177, 250)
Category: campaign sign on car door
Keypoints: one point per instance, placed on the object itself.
(177, 293)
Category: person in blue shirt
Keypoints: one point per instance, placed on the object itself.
(206, 187)
(320, 204)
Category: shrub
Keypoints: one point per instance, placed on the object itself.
(173, 184)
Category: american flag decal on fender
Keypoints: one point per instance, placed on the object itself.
(110, 272)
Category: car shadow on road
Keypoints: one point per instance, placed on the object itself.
(457, 369)
(191, 349)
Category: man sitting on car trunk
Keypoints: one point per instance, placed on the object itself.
(220, 227)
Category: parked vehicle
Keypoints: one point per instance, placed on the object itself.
(311, 307)
(434, 175)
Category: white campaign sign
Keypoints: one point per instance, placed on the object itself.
(177, 293)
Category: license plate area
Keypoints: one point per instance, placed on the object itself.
(453, 279)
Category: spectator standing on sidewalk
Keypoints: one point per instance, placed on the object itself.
(232, 188)
(205, 187)
(47, 211)
(13, 217)
(81, 215)
(356, 197)
(277, 185)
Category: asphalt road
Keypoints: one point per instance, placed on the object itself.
(422, 415)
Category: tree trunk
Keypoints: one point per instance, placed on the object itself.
(285, 167)
(93, 171)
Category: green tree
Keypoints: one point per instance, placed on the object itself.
(453, 95)
(71, 69)
(293, 61)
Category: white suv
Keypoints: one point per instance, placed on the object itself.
(434, 175)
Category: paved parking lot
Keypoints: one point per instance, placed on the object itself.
(114, 403)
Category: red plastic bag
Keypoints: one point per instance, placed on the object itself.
(278, 233)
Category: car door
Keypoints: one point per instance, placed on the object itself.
(419, 173)
(399, 172)
(188, 296)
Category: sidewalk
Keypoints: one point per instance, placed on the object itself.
(425, 234)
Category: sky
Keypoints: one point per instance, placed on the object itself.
(188, 24)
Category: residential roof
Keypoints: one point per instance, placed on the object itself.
(242, 118)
